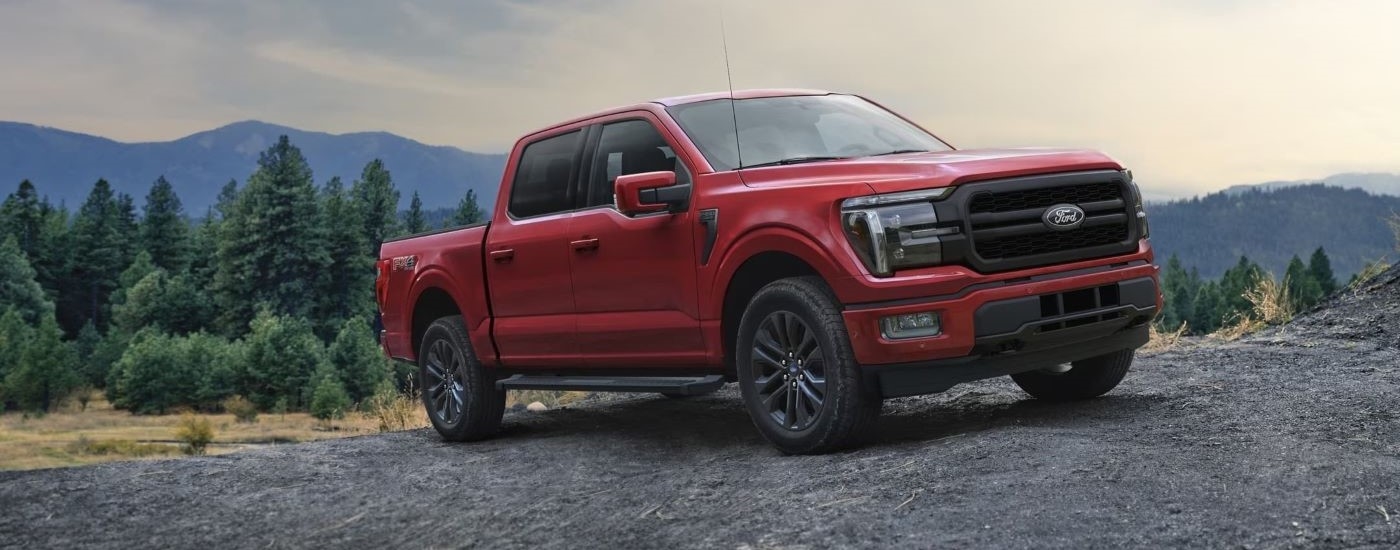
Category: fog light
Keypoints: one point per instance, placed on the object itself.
(910, 325)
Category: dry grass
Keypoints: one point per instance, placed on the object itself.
(551, 399)
(395, 411)
(73, 437)
(1370, 271)
(1163, 340)
(1269, 305)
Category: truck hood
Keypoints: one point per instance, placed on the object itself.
(907, 172)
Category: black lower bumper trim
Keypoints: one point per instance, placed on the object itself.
(924, 377)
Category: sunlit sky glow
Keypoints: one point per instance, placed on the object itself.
(1194, 95)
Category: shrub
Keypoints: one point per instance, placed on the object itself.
(159, 372)
(195, 432)
(242, 409)
(329, 399)
(154, 374)
(362, 366)
(46, 371)
(280, 356)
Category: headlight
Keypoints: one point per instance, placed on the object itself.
(1144, 230)
(895, 231)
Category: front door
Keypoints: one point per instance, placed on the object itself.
(527, 258)
(634, 278)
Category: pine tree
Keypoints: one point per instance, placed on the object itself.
(141, 266)
(21, 217)
(413, 220)
(100, 238)
(51, 257)
(228, 196)
(346, 284)
(155, 374)
(271, 248)
(128, 226)
(281, 355)
(1207, 310)
(362, 366)
(1233, 284)
(85, 346)
(1321, 269)
(1180, 290)
(46, 371)
(1303, 291)
(18, 289)
(328, 398)
(378, 202)
(204, 246)
(14, 336)
(165, 232)
(468, 211)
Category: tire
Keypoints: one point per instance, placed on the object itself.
(832, 407)
(469, 408)
(1085, 379)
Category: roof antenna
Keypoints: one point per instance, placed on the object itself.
(728, 75)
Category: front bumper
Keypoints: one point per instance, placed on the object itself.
(1032, 321)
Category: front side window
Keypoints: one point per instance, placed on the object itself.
(628, 147)
(790, 129)
(542, 180)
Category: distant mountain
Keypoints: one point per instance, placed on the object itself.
(1271, 225)
(1376, 183)
(64, 165)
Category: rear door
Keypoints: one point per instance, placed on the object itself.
(528, 254)
(634, 278)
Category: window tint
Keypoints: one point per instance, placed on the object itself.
(541, 183)
(628, 147)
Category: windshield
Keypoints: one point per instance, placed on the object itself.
(792, 129)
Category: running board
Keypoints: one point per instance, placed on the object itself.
(681, 385)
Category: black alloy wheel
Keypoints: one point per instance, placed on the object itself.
(444, 389)
(789, 371)
(798, 376)
(459, 393)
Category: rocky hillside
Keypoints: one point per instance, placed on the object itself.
(1288, 438)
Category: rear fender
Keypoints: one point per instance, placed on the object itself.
(473, 307)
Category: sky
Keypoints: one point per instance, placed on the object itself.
(1193, 95)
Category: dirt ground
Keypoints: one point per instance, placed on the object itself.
(1288, 438)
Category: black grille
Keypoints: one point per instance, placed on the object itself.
(1044, 243)
(1045, 197)
(1005, 229)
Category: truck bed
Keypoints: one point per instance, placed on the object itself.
(413, 269)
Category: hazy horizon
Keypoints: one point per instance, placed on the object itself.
(1194, 96)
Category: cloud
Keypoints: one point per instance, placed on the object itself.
(1193, 95)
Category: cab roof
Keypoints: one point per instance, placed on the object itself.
(738, 94)
(682, 100)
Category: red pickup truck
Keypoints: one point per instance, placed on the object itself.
(817, 249)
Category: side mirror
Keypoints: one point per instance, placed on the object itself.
(650, 192)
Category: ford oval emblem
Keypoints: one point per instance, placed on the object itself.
(1063, 217)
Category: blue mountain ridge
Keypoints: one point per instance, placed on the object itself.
(63, 165)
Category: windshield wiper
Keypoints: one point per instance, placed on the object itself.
(899, 152)
(794, 160)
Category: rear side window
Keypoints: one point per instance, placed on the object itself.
(628, 147)
(541, 183)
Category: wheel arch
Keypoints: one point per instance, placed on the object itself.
(760, 258)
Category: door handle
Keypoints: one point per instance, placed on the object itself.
(585, 244)
(503, 255)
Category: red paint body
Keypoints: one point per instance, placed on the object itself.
(596, 289)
